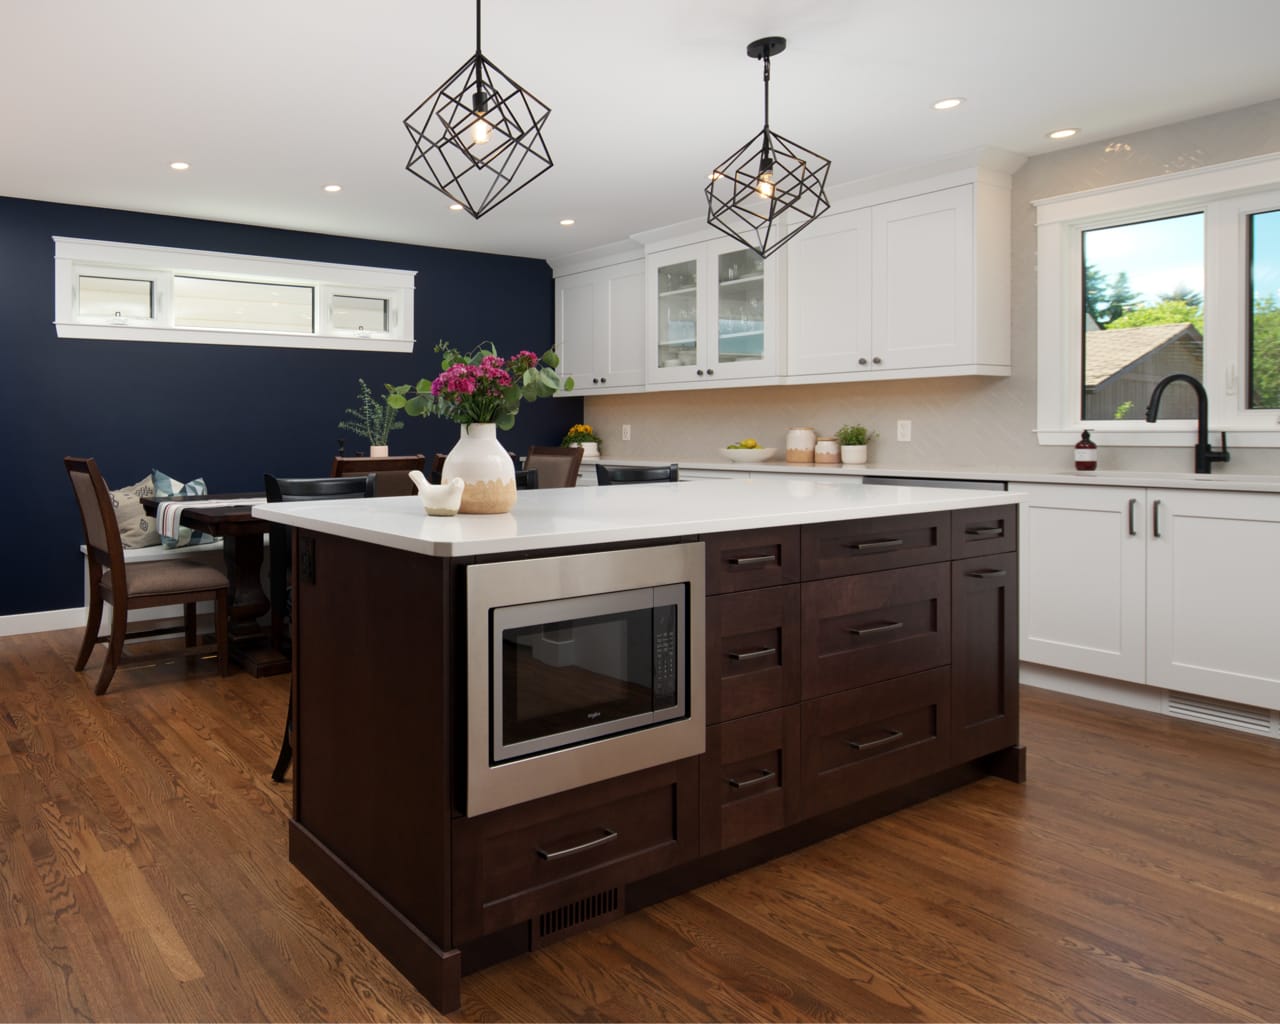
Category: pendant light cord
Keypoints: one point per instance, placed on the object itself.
(478, 30)
(766, 89)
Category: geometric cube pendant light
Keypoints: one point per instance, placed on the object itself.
(478, 138)
(771, 188)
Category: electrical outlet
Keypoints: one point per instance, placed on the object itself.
(626, 431)
(904, 430)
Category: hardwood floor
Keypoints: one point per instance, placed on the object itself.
(144, 876)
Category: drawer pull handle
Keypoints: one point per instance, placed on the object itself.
(894, 734)
(748, 655)
(877, 545)
(609, 836)
(886, 627)
(754, 560)
(984, 531)
(985, 574)
(1133, 509)
(764, 776)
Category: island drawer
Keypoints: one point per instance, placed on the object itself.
(861, 629)
(753, 652)
(984, 531)
(750, 778)
(870, 545)
(518, 863)
(750, 559)
(872, 739)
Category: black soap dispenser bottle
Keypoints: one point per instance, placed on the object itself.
(1086, 453)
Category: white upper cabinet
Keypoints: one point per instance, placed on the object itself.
(600, 328)
(911, 287)
(713, 314)
(829, 296)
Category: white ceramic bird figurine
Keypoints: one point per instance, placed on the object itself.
(438, 499)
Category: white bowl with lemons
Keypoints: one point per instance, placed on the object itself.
(747, 450)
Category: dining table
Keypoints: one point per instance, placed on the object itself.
(259, 651)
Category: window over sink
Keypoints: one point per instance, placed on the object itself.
(1177, 274)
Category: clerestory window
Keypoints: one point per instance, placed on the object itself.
(109, 290)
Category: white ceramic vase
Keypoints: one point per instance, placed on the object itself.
(853, 454)
(590, 449)
(485, 468)
(379, 451)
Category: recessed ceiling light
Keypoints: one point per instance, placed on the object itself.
(455, 206)
(566, 222)
(180, 165)
(948, 104)
(1063, 133)
(333, 188)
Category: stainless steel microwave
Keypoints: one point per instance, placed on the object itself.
(581, 668)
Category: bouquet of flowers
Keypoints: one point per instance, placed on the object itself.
(480, 386)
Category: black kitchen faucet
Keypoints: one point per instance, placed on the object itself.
(1205, 456)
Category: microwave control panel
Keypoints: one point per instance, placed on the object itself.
(664, 656)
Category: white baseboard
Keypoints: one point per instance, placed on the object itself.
(42, 622)
(1080, 684)
(74, 618)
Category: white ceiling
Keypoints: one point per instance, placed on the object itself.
(270, 100)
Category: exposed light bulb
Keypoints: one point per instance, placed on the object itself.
(481, 131)
(764, 185)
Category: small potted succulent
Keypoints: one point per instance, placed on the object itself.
(581, 435)
(853, 443)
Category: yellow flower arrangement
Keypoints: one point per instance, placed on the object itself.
(579, 433)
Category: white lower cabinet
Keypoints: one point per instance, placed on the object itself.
(1171, 588)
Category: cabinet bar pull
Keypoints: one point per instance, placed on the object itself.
(754, 560)
(887, 627)
(1155, 519)
(764, 776)
(894, 734)
(748, 655)
(876, 545)
(985, 574)
(609, 836)
(984, 531)
(1133, 524)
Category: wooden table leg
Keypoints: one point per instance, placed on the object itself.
(250, 649)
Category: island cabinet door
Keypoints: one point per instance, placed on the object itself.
(869, 545)
(753, 652)
(561, 863)
(858, 630)
(984, 655)
(750, 778)
(869, 740)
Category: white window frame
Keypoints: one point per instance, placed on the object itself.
(76, 257)
(1226, 194)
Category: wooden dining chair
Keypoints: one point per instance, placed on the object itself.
(606, 475)
(556, 466)
(141, 585)
(318, 488)
(390, 472)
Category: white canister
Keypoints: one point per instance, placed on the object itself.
(800, 444)
(826, 450)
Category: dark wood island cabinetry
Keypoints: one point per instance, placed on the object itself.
(852, 668)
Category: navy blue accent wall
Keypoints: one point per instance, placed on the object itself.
(226, 413)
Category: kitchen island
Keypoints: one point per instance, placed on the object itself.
(849, 651)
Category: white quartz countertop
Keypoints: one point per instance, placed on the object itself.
(567, 517)
(1219, 480)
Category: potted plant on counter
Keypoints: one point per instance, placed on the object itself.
(373, 420)
(853, 443)
(581, 435)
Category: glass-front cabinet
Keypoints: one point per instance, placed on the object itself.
(715, 307)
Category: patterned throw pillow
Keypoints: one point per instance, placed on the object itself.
(137, 529)
(167, 487)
